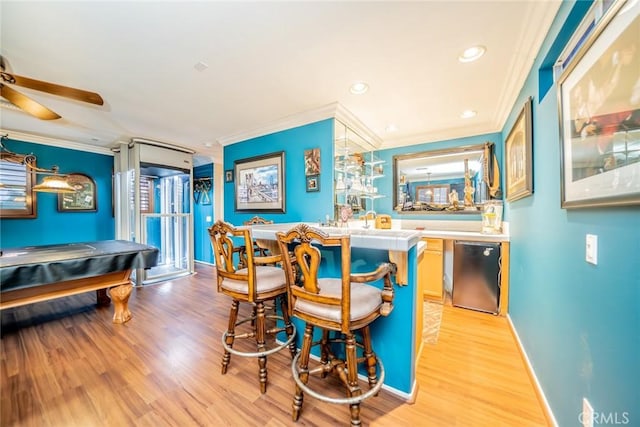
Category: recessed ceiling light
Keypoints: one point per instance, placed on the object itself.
(468, 114)
(472, 53)
(391, 128)
(207, 144)
(359, 88)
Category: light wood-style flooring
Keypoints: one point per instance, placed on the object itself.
(64, 363)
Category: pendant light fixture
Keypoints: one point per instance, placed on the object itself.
(53, 183)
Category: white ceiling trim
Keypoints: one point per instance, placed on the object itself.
(523, 59)
(330, 111)
(444, 135)
(54, 142)
(300, 119)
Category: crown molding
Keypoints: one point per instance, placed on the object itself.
(524, 57)
(441, 135)
(330, 111)
(54, 142)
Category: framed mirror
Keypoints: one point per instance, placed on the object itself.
(457, 180)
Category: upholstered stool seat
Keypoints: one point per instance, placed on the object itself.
(252, 279)
(343, 308)
(365, 300)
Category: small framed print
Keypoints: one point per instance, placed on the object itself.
(313, 183)
(83, 200)
(228, 175)
(312, 162)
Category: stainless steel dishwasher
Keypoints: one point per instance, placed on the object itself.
(476, 276)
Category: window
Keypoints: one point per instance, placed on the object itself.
(436, 194)
(146, 194)
(17, 200)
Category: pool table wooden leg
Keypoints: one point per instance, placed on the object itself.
(120, 296)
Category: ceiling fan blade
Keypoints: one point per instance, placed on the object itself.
(55, 89)
(27, 104)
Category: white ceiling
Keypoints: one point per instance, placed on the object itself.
(268, 61)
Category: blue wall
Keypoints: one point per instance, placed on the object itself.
(201, 243)
(579, 323)
(385, 184)
(299, 205)
(51, 226)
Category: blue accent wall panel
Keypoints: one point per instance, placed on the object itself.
(579, 323)
(299, 205)
(202, 245)
(51, 226)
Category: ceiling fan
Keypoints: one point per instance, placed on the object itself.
(32, 107)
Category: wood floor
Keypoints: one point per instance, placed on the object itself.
(64, 363)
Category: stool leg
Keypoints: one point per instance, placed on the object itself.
(260, 340)
(287, 324)
(231, 328)
(324, 350)
(352, 377)
(303, 370)
(370, 357)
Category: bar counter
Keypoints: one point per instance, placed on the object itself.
(394, 336)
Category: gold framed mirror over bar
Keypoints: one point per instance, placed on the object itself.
(458, 180)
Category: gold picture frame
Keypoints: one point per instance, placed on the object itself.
(519, 156)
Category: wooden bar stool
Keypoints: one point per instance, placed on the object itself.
(255, 283)
(340, 307)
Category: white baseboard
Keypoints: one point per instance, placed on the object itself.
(532, 373)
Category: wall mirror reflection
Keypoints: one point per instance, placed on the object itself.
(458, 180)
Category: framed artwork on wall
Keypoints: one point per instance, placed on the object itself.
(228, 175)
(312, 162)
(600, 115)
(313, 183)
(84, 199)
(519, 156)
(260, 183)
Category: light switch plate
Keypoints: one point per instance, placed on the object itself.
(587, 413)
(592, 249)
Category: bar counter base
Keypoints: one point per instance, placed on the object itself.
(118, 283)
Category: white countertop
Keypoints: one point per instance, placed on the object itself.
(392, 240)
(401, 237)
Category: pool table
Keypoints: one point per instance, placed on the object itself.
(39, 273)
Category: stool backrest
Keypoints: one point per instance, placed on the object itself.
(228, 258)
(258, 220)
(301, 262)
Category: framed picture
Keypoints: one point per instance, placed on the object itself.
(313, 183)
(260, 183)
(312, 162)
(228, 175)
(600, 115)
(519, 156)
(83, 200)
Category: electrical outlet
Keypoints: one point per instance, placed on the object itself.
(587, 413)
(592, 249)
